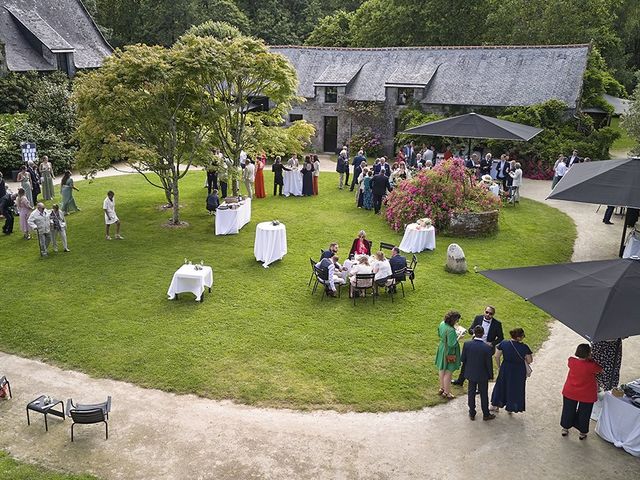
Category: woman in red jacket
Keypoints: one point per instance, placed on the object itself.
(580, 392)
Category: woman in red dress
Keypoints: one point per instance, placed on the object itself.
(259, 185)
(360, 246)
(580, 392)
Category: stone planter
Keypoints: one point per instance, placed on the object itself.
(473, 224)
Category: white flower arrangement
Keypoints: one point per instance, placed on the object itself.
(424, 222)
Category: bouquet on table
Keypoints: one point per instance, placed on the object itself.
(424, 223)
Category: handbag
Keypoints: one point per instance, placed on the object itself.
(527, 367)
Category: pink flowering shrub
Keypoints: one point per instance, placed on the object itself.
(438, 193)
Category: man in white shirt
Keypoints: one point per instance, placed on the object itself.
(243, 158)
(110, 217)
(40, 221)
(335, 274)
(249, 177)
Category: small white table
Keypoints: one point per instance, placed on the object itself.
(229, 221)
(619, 423)
(416, 238)
(271, 243)
(292, 183)
(188, 279)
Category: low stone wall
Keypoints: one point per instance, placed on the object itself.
(473, 224)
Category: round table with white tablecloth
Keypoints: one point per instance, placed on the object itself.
(417, 238)
(271, 243)
(292, 183)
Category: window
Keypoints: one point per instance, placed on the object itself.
(405, 96)
(294, 117)
(330, 94)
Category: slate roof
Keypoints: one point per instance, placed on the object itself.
(620, 105)
(61, 25)
(478, 76)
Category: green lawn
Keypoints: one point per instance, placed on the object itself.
(260, 338)
(623, 145)
(12, 470)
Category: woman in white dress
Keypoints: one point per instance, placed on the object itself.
(58, 228)
(110, 217)
(382, 269)
(516, 181)
(360, 268)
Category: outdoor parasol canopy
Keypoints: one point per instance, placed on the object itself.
(598, 299)
(474, 125)
(607, 182)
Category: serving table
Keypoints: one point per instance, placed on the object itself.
(188, 279)
(229, 220)
(271, 243)
(417, 238)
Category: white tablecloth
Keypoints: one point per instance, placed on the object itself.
(415, 240)
(495, 189)
(230, 221)
(188, 279)
(292, 183)
(271, 243)
(633, 246)
(619, 424)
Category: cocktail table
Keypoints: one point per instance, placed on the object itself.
(39, 406)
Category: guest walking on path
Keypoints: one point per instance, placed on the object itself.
(580, 392)
(608, 354)
(509, 390)
(448, 353)
(46, 173)
(25, 182)
(259, 183)
(24, 210)
(110, 217)
(476, 356)
(68, 204)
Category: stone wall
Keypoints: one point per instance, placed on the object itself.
(473, 224)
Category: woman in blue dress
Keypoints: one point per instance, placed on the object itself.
(509, 390)
(367, 193)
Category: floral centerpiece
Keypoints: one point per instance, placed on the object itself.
(438, 194)
(424, 222)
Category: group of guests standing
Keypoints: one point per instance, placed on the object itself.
(563, 164)
(513, 358)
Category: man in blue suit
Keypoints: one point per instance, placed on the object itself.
(476, 356)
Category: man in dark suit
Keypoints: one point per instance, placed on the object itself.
(502, 170)
(485, 165)
(476, 355)
(574, 159)
(357, 168)
(383, 167)
(379, 186)
(7, 201)
(492, 335)
(397, 262)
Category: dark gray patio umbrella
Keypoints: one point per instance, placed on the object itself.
(609, 182)
(474, 125)
(598, 300)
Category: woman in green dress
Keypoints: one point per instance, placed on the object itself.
(68, 204)
(46, 172)
(448, 354)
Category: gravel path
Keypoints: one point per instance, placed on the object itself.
(158, 435)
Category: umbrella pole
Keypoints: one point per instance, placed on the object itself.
(469, 148)
(624, 232)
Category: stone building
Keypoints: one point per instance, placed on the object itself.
(49, 35)
(348, 89)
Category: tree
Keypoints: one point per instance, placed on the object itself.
(332, 31)
(247, 71)
(145, 106)
(631, 121)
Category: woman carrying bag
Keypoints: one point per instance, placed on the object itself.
(448, 353)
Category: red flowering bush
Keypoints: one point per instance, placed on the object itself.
(437, 193)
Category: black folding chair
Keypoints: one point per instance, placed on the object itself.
(399, 277)
(313, 264)
(88, 414)
(364, 282)
(322, 278)
(386, 246)
(411, 270)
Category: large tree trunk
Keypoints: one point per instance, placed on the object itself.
(176, 205)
